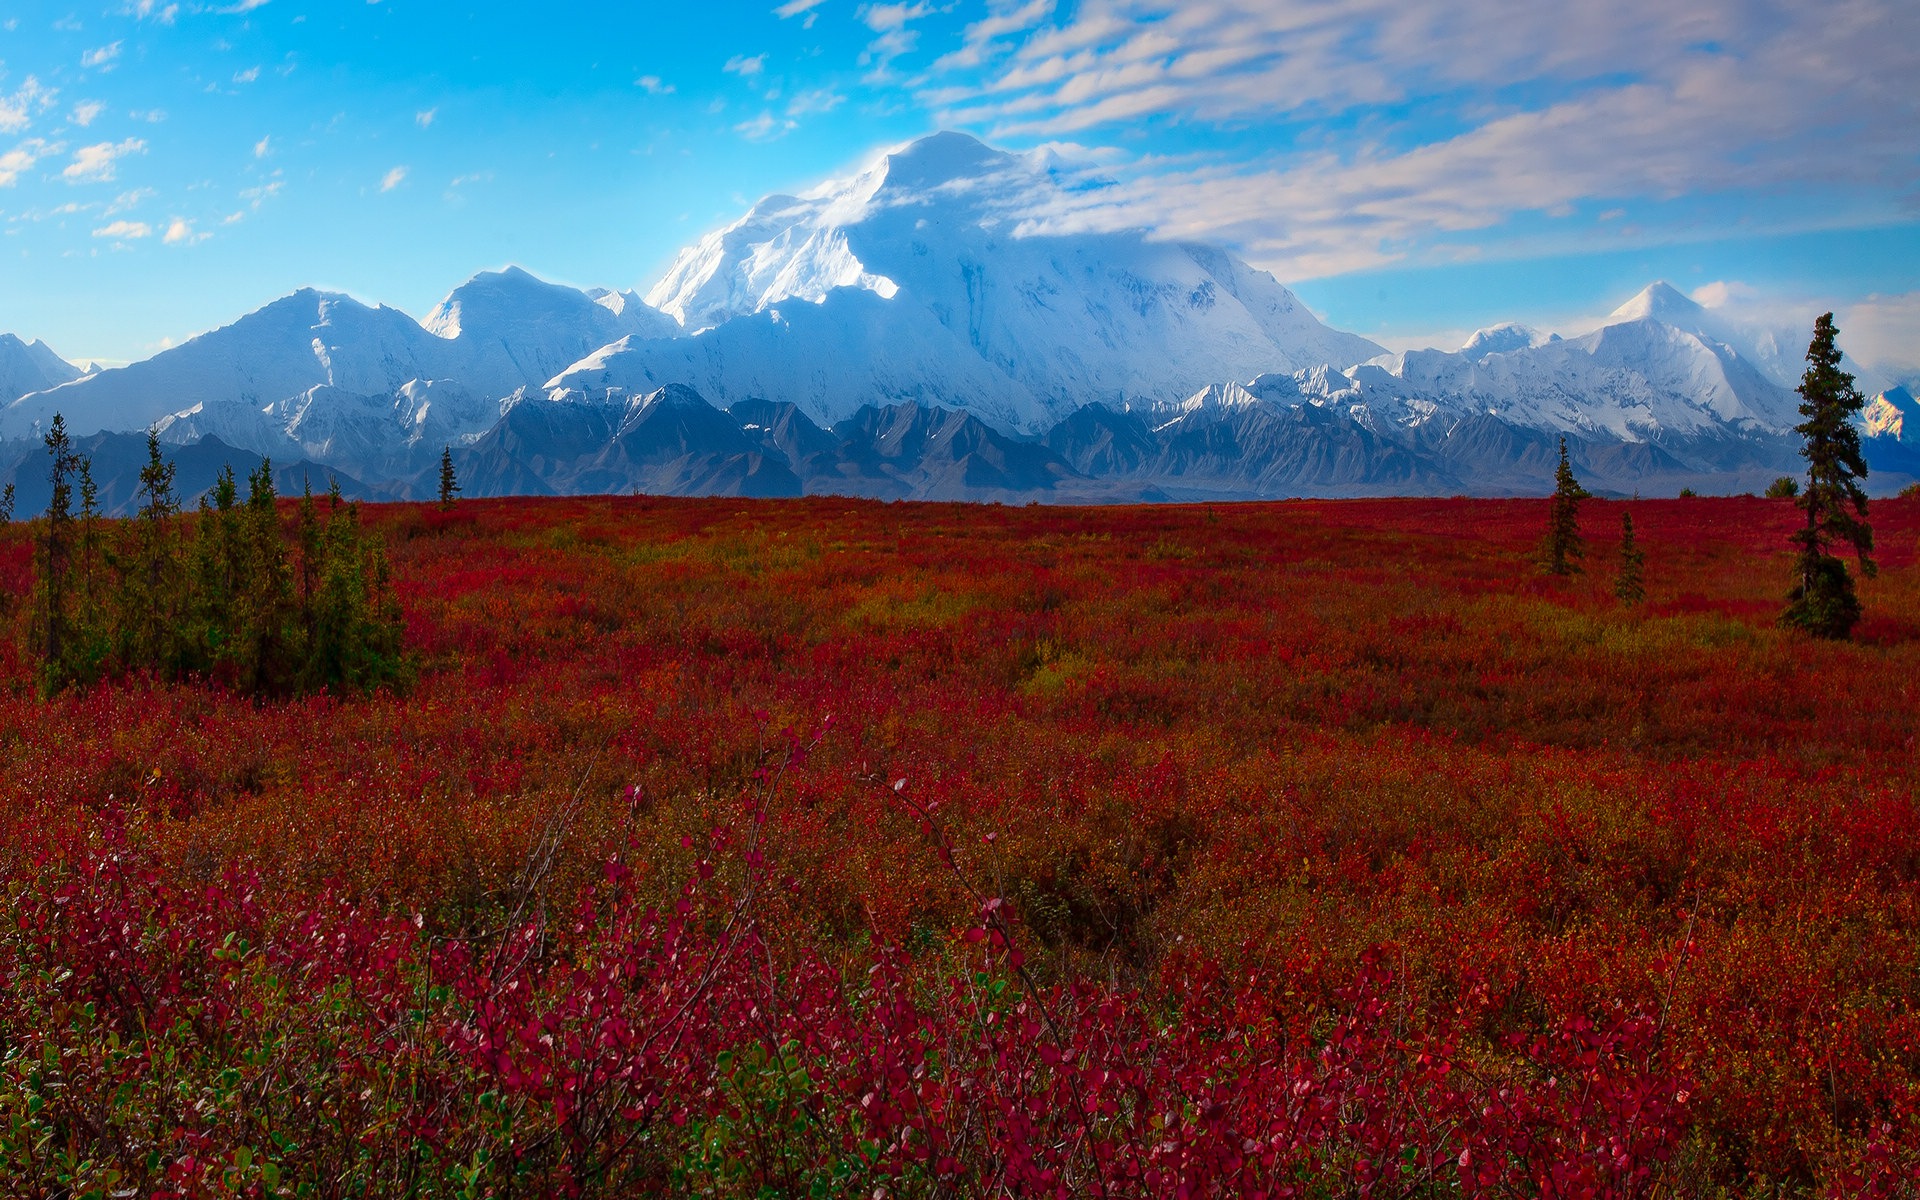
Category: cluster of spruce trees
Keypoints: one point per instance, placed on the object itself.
(1822, 601)
(230, 593)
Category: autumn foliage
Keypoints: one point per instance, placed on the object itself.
(824, 848)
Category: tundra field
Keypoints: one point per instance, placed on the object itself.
(838, 848)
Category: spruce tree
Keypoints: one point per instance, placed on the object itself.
(448, 484)
(52, 594)
(150, 584)
(1629, 588)
(263, 600)
(1822, 600)
(1562, 546)
(89, 640)
(6, 504)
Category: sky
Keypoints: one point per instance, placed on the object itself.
(1413, 171)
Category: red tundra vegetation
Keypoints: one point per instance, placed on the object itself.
(834, 848)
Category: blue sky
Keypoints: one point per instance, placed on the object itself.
(1413, 170)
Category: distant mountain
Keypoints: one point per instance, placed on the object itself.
(496, 334)
(923, 330)
(1505, 338)
(116, 458)
(30, 367)
(939, 229)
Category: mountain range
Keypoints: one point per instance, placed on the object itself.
(933, 328)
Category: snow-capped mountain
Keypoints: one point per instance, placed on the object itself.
(1639, 378)
(939, 229)
(30, 367)
(306, 340)
(1505, 338)
(512, 330)
(918, 331)
(1893, 414)
(319, 361)
(853, 348)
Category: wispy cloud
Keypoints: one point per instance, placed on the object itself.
(984, 37)
(819, 100)
(19, 160)
(83, 113)
(263, 147)
(393, 179)
(27, 101)
(180, 232)
(424, 118)
(1407, 124)
(744, 66)
(256, 196)
(130, 200)
(765, 127)
(652, 85)
(794, 8)
(95, 163)
(124, 230)
(891, 22)
(101, 59)
(152, 10)
(249, 75)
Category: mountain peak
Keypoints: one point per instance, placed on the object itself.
(1505, 337)
(1660, 301)
(941, 158)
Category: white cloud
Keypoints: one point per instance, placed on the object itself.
(19, 160)
(263, 147)
(84, 112)
(152, 10)
(247, 76)
(95, 163)
(820, 100)
(793, 8)
(424, 118)
(101, 58)
(28, 100)
(765, 127)
(242, 6)
(745, 67)
(128, 201)
(256, 196)
(891, 22)
(1883, 334)
(124, 230)
(652, 85)
(180, 232)
(983, 37)
(1400, 123)
(884, 17)
(393, 179)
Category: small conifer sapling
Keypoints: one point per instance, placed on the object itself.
(449, 486)
(1630, 588)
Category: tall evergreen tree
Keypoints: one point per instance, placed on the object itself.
(53, 584)
(448, 484)
(90, 640)
(263, 599)
(6, 504)
(1562, 547)
(150, 583)
(1822, 601)
(1628, 587)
